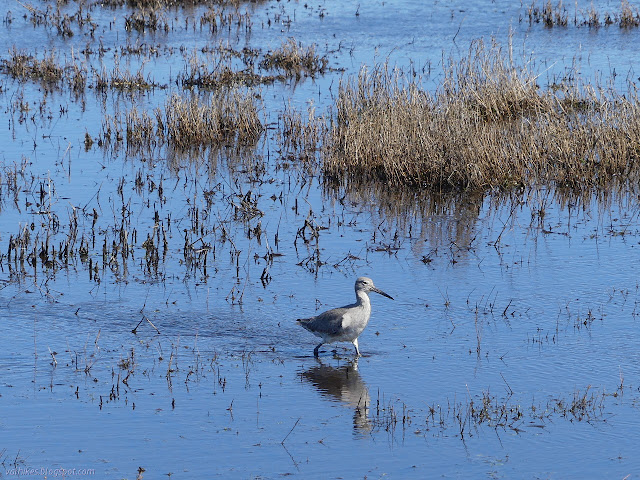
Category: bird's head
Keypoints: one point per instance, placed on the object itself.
(365, 284)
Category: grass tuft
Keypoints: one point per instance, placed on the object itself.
(293, 58)
(489, 125)
(23, 66)
(228, 117)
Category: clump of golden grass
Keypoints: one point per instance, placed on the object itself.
(53, 17)
(218, 18)
(124, 80)
(197, 73)
(142, 129)
(46, 71)
(293, 58)
(226, 67)
(226, 117)
(556, 15)
(488, 125)
(628, 17)
(77, 76)
(145, 19)
(23, 66)
(593, 17)
(548, 14)
(302, 137)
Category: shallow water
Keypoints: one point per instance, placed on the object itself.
(510, 350)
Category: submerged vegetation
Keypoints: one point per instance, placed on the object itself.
(557, 15)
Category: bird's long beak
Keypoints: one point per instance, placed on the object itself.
(377, 290)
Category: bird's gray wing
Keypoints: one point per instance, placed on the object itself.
(329, 322)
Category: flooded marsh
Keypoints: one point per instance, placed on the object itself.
(181, 181)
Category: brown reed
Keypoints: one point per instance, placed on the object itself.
(226, 117)
(293, 58)
(488, 125)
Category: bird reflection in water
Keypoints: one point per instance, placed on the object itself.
(345, 385)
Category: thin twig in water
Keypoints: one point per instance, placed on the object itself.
(504, 312)
(144, 317)
(294, 426)
(507, 384)
(53, 356)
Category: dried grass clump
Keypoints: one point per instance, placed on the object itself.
(123, 80)
(146, 19)
(294, 59)
(46, 71)
(629, 17)
(198, 73)
(142, 130)
(23, 66)
(224, 118)
(489, 125)
(218, 18)
(548, 14)
(303, 137)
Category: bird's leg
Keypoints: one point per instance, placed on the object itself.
(355, 344)
(315, 350)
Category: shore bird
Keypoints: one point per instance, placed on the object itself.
(346, 323)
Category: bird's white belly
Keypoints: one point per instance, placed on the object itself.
(351, 329)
